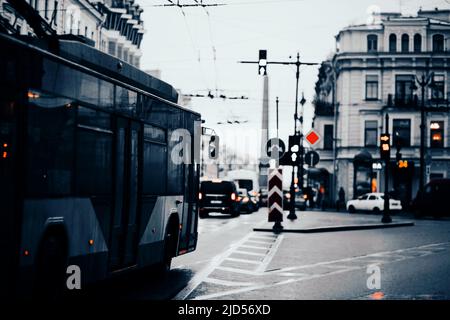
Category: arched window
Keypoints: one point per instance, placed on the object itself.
(405, 43)
(392, 43)
(417, 42)
(438, 43)
(372, 42)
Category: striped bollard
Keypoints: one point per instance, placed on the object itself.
(275, 198)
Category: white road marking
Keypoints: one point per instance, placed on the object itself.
(204, 273)
(302, 277)
(228, 283)
(266, 286)
(236, 270)
(255, 247)
(268, 258)
(243, 260)
(351, 259)
(271, 238)
(250, 253)
(260, 242)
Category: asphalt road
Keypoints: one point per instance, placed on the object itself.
(234, 262)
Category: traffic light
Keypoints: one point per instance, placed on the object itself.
(292, 156)
(213, 147)
(262, 63)
(385, 146)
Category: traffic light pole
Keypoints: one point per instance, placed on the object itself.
(386, 214)
(297, 131)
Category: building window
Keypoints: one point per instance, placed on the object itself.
(328, 137)
(437, 134)
(417, 42)
(371, 133)
(371, 87)
(137, 62)
(438, 87)
(372, 42)
(112, 48)
(438, 43)
(404, 89)
(85, 31)
(131, 58)
(119, 51)
(392, 43)
(405, 43)
(402, 132)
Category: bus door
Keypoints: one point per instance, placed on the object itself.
(126, 188)
(190, 207)
(191, 188)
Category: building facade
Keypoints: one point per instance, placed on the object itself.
(112, 26)
(374, 73)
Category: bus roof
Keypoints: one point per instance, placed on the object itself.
(103, 63)
(109, 65)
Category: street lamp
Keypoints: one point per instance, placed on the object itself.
(423, 82)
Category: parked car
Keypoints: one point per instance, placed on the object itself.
(300, 200)
(246, 204)
(218, 196)
(434, 200)
(372, 202)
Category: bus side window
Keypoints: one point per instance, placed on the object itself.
(94, 152)
(50, 145)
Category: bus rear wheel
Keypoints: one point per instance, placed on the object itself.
(170, 245)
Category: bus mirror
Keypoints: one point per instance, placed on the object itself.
(213, 147)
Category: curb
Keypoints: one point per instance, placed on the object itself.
(342, 228)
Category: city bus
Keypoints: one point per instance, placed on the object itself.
(87, 177)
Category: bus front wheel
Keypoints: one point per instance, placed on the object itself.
(50, 268)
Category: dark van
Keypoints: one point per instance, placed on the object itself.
(218, 196)
(435, 199)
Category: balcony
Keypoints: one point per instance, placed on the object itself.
(323, 108)
(413, 102)
(402, 101)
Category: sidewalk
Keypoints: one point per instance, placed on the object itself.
(326, 221)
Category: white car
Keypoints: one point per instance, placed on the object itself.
(372, 202)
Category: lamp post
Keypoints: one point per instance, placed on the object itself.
(423, 82)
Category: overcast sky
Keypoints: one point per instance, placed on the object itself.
(183, 47)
